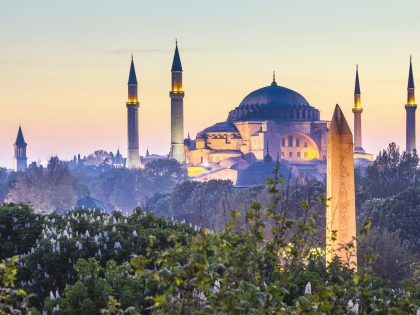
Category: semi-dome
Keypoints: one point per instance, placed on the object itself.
(274, 102)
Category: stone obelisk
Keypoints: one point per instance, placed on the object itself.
(341, 208)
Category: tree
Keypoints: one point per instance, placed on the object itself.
(19, 229)
(12, 299)
(46, 189)
(390, 174)
(393, 258)
(397, 213)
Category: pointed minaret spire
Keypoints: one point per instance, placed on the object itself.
(132, 78)
(410, 109)
(177, 109)
(176, 62)
(357, 85)
(133, 157)
(410, 85)
(357, 110)
(19, 158)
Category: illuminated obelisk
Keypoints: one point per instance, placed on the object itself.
(341, 208)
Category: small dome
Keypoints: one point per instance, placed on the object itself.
(90, 203)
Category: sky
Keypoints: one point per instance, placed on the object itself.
(64, 66)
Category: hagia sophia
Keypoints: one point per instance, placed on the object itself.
(272, 123)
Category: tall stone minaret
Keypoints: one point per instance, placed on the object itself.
(357, 110)
(19, 158)
(410, 109)
(177, 110)
(133, 157)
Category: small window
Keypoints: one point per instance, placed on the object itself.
(290, 154)
(201, 159)
(298, 154)
(283, 142)
(305, 144)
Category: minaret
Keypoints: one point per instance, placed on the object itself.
(267, 157)
(177, 110)
(133, 156)
(341, 206)
(357, 110)
(19, 158)
(410, 109)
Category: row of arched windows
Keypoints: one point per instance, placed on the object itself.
(291, 143)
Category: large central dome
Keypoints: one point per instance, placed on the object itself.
(275, 95)
(274, 102)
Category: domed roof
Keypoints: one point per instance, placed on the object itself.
(274, 102)
(258, 173)
(90, 203)
(275, 95)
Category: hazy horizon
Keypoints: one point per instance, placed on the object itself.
(64, 66)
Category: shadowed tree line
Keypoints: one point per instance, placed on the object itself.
(57, 188)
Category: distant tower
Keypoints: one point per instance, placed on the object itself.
(267, 157)
(19, 159)
(357, 110)
(410, 109)
(177, 110)
(133, 157)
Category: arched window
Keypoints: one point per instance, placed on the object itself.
(283, 142)
(290, 141)
(298, 142)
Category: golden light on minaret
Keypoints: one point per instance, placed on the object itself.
(357, 94)
(341, 206)
(177, 110)
(132, 85)
(357, 111)
(133, 157)
(410, 109)
(176, 82)
(411, 100)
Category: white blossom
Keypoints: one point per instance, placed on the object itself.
(308, 288)
(117, 245)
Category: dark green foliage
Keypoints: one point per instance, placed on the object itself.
(397, 213)
(392, 257)
(12, 299)
(391, 173)
(19, 229)
(52, 250)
